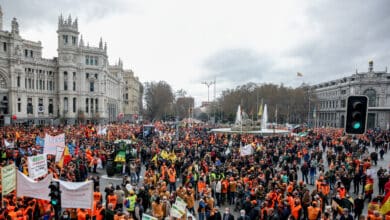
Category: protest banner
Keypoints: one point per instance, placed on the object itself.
(8, 179)
(76, 194)
(148, 217)
(52, 143)
(33, 189)
(39, 141)
(37, 166)
(181, 204)
(246, 150)
(176, 211)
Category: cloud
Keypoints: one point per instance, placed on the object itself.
(237, 65)
(348, 34)
(32, 13)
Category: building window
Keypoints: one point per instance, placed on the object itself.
(91, 86)
(86, 105)
(29, 83)
(73, 40)
(18, 81)
(92, 106)
(96, 61)
(31, 53)
(74, 105)
(65, 104)
(25, 83)
(50, 106)
(26, 53)
(29, 106)
(371, 94)
(50, 85)
(65, 85)
(4, 46)
(87, 75)
(96, 75)
(97, 105)
(343, 92)
(74, 75)
(74, 86)
(43, 84)
(40, 84)
(65, 38)
(19, 107)
(87, 60)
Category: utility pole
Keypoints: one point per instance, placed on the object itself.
(208, 84)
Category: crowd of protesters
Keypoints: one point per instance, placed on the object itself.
(322, 175)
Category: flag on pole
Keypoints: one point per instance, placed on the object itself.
(385, 207)
(66, 157)
(299, 74)
(260, 109)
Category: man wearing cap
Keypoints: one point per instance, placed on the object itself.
(130, 202)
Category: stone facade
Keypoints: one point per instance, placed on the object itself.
(79, 84)
(332, 98)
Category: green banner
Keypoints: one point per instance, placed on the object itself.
(148, 217)
(8, 179)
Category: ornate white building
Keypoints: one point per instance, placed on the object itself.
(332, 98)
(79, 84)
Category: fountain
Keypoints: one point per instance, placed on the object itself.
(245, 125)
(264, 119)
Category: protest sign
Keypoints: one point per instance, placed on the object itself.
(76, 194)
(33, 189)
(37, 166)
(148, 217)
(8, 179)
(246, 150)
(52, 143)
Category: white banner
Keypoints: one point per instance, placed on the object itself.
(8, 179)
(60, 151)
(37, 166)
(76, 195)
(52, 143)
(246, 150)
(33, 189)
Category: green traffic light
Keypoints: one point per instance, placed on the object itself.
(356, 125)
(54, 202)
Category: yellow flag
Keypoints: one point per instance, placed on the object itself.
(260, 109)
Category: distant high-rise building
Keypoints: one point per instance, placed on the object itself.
(78, 85)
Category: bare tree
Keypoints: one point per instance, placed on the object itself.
(159, 100)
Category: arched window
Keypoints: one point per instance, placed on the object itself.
(371, 94)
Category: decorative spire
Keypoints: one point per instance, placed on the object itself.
(105, 46)
(101, 43)
(70, 20)
(60, 20)
(75, 23)
(81, 41)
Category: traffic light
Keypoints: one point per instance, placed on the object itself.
(55, 197)
(356, 115)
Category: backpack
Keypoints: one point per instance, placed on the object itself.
(127, 203)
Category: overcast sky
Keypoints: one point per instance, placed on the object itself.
(185, 42)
